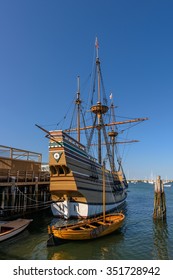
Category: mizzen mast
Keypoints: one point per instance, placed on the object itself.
(113, 133)
(78, 102)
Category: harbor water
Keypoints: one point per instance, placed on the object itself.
(139, 238)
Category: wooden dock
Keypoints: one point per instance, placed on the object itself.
(24, 187)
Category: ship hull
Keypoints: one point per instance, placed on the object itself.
(76, 181)
(69, 210)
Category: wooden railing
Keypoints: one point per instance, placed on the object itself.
(23, 176)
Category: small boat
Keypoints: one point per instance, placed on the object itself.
(12, 228)
(167, 185)
(86, 229)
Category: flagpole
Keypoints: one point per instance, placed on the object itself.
(97, 48)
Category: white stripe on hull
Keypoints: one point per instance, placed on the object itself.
(71, 209)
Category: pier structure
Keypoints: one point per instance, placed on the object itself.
(159, 200)
(24, 187)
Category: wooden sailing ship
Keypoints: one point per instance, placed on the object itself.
(75, 173)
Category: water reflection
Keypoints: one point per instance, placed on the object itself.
(7, 247)
(139, 238)
(102, 248)
(160, 240)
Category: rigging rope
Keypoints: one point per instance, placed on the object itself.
(28, 206)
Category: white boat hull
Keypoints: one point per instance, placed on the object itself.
(167, 185)
(15, 227)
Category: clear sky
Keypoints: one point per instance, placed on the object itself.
(45, 44)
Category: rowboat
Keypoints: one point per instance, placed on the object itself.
(86, 229)
(12, 228)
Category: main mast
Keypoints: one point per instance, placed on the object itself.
(99, 109)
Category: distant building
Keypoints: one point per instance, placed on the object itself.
(45, 167)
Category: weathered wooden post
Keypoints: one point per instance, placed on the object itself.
(25, 199)
(36, 191)
(3, 199)
(13, 193)
(159, 200)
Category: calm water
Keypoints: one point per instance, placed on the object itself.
(139, 238)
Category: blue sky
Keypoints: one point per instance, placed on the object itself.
(45, 44)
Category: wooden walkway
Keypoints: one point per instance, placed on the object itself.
(20, 178)
(23, 186)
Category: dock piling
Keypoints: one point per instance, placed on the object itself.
(159, 200)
